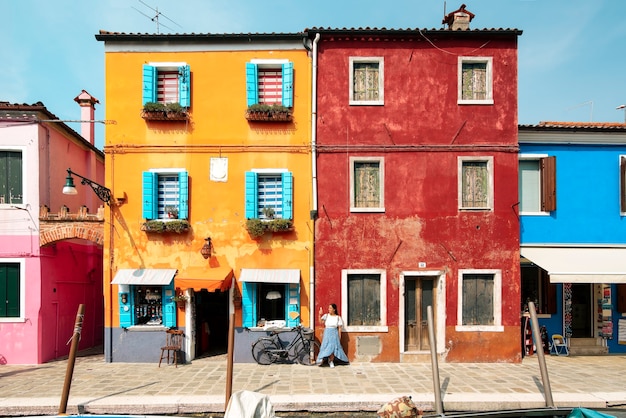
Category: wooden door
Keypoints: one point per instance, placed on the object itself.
(418, 295)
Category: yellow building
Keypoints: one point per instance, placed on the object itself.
(209, 164)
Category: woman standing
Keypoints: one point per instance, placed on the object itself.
(331, 341)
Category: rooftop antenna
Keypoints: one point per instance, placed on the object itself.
(156, 16)
(589, 102)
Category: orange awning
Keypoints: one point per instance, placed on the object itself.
(210, 279)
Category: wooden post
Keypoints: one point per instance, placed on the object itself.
(229, 366)
(72, 358)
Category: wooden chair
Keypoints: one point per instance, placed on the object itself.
(174, 344)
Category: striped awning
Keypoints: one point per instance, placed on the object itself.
(270, 275)
(210, 279)
(159, 277)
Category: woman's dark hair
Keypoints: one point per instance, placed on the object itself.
(334, 307)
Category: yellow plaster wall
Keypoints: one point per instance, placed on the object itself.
(217, 128)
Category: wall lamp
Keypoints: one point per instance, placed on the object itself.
(206, 248)
(102, 192)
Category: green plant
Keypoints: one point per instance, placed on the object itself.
(269, 212)
(174, 107)
(259, 107)
(276, 108)
(178, 226)
(153, 226)
(180, 298)
(172, 212)
(154, 107)
(258, 227)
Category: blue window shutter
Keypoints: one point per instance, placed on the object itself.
(248, 304)
(183, 195)
(252, 195)
(184, 85)
(169, 307)
(287, 195)
(293, 295)
(252, 83)
(126, 317)
(149, 84)
(149, 196)
(288, 84)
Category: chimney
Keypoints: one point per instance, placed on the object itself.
(87, 105)
(458, 19)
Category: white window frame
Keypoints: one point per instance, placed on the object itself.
(269, 64)
(489, 161)
(22, 263)
(533, 157)
(497, 302)
(168, 66)
(488, 81)
(381, 166)
(383, 301)
(25, 167)
(381, 81)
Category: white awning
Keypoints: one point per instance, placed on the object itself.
(579, 264)
(160, 277)
(270, 275)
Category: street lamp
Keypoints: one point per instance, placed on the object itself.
(620, 107)
(102, 192)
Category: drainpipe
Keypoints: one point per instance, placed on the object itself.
(314, 177)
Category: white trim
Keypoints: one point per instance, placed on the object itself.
(381, 81)
(381, 171)
(269, 170)
(460, 161)
(114, 45)
(497, 302)
(488, 81)
(532, 157)
(269, 63)
(439, 313)
(22, 263)
(156, 277)
(383, 301)
(164, 65)
(167, 170)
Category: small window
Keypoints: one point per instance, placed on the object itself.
(269, 82)
(475, 80)
(269, 302)
(536, 288)
(622, 183)
(367, 81)
(11, 290)
(364, 300)
(479, 300)
(269, 194)
(142, 305)
(537, 184)
(367, 181)
(165, 194)
(475, 183)
(167, 83)
(11, 177)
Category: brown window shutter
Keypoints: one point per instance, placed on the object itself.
(548, 184)
(549, 290)
(621, 298)
(622, 181)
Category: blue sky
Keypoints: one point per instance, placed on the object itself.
(572, 53)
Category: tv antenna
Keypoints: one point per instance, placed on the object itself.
(590, 102)
(156, 16)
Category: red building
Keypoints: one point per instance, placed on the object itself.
(416, 190)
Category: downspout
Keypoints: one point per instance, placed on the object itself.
(314, 178)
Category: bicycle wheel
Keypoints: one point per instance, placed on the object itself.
(260, 351)
(306, 353)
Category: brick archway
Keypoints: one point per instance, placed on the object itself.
(57, 230)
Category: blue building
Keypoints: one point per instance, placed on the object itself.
(573, 231)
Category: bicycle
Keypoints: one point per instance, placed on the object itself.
(303, 348)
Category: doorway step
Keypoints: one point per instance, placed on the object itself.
(587, 347)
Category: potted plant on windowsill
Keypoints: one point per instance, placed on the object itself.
(172, 212)
(180, 299)
(268, 113)
(258, 227)
(161, 111)
(178, 226)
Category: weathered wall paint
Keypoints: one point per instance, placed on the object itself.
(420, 131)
(217, 128)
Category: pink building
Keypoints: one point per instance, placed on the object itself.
(50, 243)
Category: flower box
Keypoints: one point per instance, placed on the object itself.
(177, 226)
(267, 113)
(258, 227)
(161, 111)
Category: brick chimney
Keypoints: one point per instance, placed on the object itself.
(87, 105)
(458, 19)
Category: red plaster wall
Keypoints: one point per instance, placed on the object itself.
(421, 222)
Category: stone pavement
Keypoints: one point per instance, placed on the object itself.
(199, 387)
